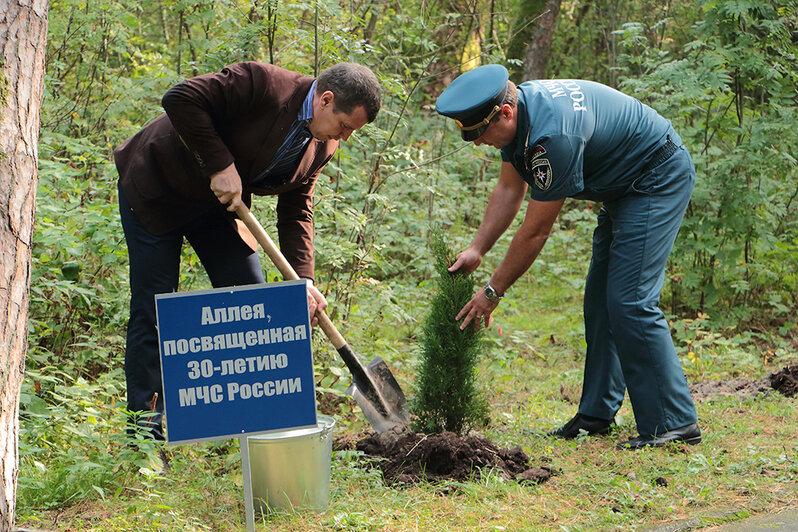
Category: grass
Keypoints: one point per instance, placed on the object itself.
(532, 373)
(748, 463)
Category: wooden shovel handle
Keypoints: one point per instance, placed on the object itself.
(286, 269)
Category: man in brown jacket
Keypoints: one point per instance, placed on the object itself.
(252, 128)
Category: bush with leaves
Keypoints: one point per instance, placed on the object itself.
(447, 397)
(730, 93)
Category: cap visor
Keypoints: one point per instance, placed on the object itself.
(473, 134)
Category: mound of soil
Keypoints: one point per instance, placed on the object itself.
(407, 457)
(742, 387)
(784, 381)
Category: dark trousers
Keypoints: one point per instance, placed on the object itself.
(155, 269)
(629, 345)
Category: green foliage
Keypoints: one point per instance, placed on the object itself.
(90, 457)
(587, 43)
(730, 93)
(446, 395)
(79, 260)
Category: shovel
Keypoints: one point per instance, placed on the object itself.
(374, 387)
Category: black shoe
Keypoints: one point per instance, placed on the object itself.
(579, 423)
(689, 434)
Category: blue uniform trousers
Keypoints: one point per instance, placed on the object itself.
(629, 345)
(155, 269)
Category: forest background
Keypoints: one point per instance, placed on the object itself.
(723, 71)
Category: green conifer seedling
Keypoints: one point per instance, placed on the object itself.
(446, 395)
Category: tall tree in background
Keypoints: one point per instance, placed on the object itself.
(23, 34)
(532, 37)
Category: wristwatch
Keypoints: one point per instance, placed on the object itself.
(491, 294)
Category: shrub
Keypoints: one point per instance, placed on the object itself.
(447, 396)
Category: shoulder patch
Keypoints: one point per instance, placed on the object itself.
(541, 173)
(530, 154)
(537, 151)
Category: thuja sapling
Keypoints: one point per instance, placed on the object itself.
(447, 397)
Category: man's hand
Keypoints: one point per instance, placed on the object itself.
(477, 310)
(469, 260)
(479, 307)
(226, 186)
(316, 303)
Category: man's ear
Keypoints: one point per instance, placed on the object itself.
(327, 98)
(507, 111)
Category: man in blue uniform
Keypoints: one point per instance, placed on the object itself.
(581, 139)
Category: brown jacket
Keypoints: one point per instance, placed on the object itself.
(239, 115)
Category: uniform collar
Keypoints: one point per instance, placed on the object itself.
(523, 124)
(522, 130)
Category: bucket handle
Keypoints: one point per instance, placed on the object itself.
(326, 430)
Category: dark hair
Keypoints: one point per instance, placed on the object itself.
(352, 85)
(510, 97)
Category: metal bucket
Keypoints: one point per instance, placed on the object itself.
(290, 470)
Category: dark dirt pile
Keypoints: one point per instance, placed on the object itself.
(408, 457)
(784, 381)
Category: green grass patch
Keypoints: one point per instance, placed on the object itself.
(78, 473)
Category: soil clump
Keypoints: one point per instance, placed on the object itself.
(407, 457)
(742, 387)
(784, 381)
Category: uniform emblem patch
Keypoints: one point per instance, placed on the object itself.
(531, 154)
(541, 173)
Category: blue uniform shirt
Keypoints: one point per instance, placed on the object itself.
(582, 139)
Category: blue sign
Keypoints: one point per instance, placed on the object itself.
(236, 361)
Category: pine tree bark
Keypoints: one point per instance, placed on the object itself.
(23, 35)
(538, 50)
(531, 42)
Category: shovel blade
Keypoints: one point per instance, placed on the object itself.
(380, 398)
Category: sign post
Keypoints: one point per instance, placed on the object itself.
(249, 504)
(236, 362)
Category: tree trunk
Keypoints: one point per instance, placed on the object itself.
(532, 37)
(23, 34)
(539, 48)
